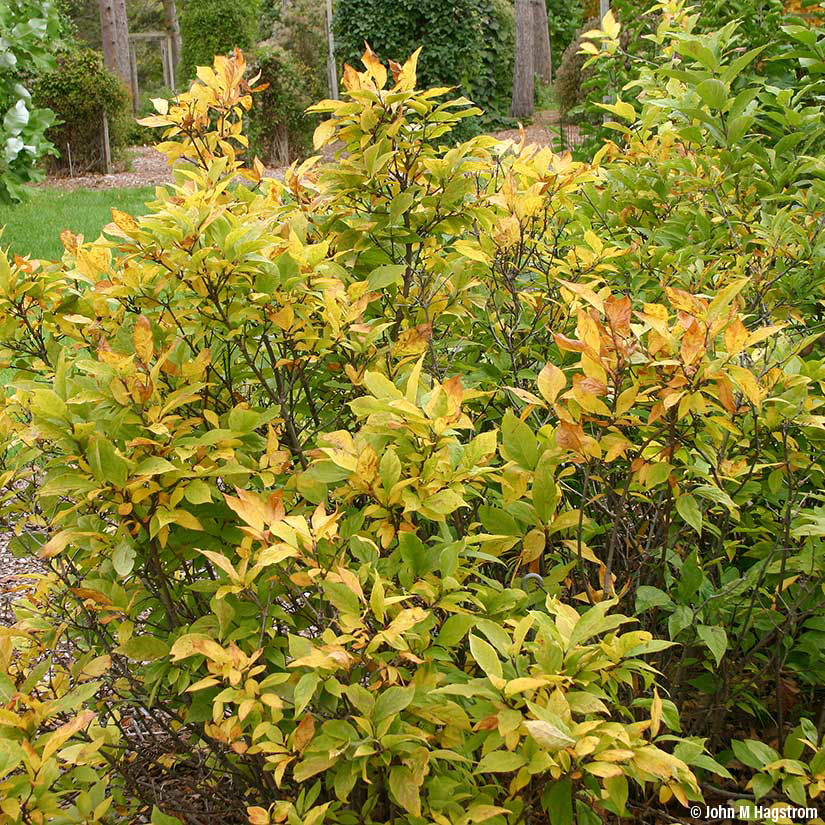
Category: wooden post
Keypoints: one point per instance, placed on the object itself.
(524, 67)
(134, 77)
(332, 71)
(107, 149)
(164, 59)
(543, 57)
(170, 53)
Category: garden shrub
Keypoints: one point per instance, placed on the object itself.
(470, 45)
(29, 36)
(79, 90)
(752, 24)
(441, 482)
(301, 31)
(210, 27)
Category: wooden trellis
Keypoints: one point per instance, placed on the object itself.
(166, 53)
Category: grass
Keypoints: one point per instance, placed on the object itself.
(34, 227)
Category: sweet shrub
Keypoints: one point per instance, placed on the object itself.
(438, 483)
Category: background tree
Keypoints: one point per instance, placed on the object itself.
(114, 27)
(524, 67)
(543, 54)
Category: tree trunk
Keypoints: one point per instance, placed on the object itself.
(541, 34)
(114, 29)
(524, 70)
(170, 21)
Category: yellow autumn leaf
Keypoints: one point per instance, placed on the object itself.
(375, 68)
(323, 132)
(551, 381)
(142, 339)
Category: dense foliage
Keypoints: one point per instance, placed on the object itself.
(439, 483)
(210, 27)
(583, 86)
(79, 90)
(564, 19)
(469, 44)
(29, 35)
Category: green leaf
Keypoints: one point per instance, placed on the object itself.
(617, 792)
(49, 404)
(485, 657)
(393, 700)
(154, 465)
(731, 72)
(754, 754)
(647, 597)
(384, 276)
(518, 442)
(681, 618)
(405, 790)
(198, 492)
(688, 508)
(500, 762)
(498, 522)
(107, 466)
(145, 648)
(11, 755)
(123, 558)
(545, 492)
(594, 622)
(304, 691)
(794, 789)
(416, 554)
(160, 818)
(557, 801)
(715, 638)
(761, 784)
(361, 698)
(455, 629)
(312, 766)
(713, 92)
(389, 469)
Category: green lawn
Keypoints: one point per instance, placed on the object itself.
(34, 227)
